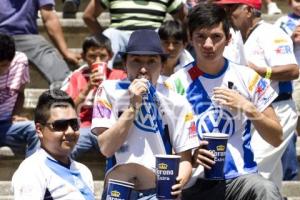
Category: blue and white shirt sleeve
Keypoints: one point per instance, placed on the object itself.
(261, 92)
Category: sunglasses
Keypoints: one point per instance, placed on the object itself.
(63, 124)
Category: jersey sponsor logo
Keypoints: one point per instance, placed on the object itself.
(280, 41)
(215, 120)
(103, 108)
(188, 117)
(179, 87)
(283, 49)
(192, 130)
(148, 117)
(168, 85)
(253, 82)
(262, 86)
(266, 100)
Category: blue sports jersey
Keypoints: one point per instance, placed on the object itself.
(198, 86)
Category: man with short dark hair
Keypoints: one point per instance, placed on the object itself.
(134, 121)
(50, 173)
(226, 98)
(173, 36)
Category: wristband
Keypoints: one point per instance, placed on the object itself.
(268, 73)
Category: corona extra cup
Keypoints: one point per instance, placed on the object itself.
(167, 167)
(119, 190)
(217, 143)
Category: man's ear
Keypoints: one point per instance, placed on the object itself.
(39, 130)
(228, 39)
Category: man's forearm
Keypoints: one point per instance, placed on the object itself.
(55, 33)
(266, 124)
(113, 138)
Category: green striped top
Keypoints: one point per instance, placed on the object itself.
(139, 14)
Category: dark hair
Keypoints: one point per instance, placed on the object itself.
(207, 15)
(7, 47)
(49, 99)
(172, 29)
(97, 40)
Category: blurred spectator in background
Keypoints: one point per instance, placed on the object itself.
(19, 19)
(70, 8)
(173, 37)
(81, 85)
(15, 130)
(272, 7)
(127, 16)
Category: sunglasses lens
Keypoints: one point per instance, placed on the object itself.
(74, 123)
(62, 125)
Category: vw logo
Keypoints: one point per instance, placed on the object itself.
(215, 120)
(148, 117)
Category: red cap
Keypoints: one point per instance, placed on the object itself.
(253, 3)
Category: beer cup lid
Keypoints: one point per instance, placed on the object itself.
(124, 183)
(167, 156)
(215, 135)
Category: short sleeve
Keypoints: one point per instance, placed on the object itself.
(278, 48)
(102, 110)
(28, 184)
(262, 93)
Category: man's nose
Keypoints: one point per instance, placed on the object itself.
(143, 68)
(171, 46)
(98, 59)
(69, 130)
(208, 43)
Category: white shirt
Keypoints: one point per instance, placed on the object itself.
(40, 177)
(288, 24)
(269, 46)
(148, 135)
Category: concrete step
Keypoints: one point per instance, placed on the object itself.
(291, 190)
(74, 30)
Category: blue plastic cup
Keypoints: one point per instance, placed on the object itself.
(167, 167)
(217, 143)
(118, 190)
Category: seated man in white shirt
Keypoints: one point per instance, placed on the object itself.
(50, 173)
